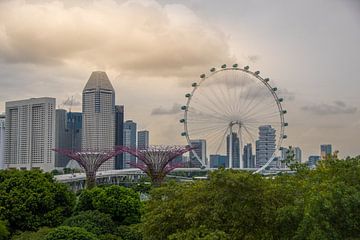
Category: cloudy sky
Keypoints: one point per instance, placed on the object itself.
(153, 51)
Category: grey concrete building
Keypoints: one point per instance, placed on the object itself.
(2, 140)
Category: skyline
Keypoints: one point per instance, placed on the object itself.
(306, 57)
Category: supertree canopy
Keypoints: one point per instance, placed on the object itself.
(90, 160)
(156, 161)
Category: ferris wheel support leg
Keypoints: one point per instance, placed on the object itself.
(241, 145)
(230, 146)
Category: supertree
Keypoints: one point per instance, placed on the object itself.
(156, 161)
(90, 160)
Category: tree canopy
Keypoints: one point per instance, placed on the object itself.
(31, 199)
(69, 233)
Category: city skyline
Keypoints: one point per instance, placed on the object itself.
(313, 61)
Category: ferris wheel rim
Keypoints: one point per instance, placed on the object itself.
(256, 75)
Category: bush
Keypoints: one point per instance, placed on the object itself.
(69, 233)
(131, 232)
(4, 232)
(31, 199)
(92, 221)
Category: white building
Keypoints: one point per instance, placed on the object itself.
(99, 116)
(143, 139)
(2, 140)
(297, 154)
(30, 134)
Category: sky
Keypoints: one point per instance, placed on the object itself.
(152, 50)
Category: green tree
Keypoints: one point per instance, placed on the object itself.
(4, 232)
(31, 199)
(92, 221)
(69, 233)
(39, 235)
(131, 232)
(122, 204)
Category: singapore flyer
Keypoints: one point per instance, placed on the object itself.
(234, 108)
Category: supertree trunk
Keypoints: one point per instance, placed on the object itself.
(90, 180)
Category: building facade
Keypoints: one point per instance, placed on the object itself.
(265, 146)
(60, 137)
(313, 160)
(235, 150)
(297, 154)
(129, 141)
(2, 140)
(325, 150)
(98, 120)
(143, 139)
(217, 161)
(200, 150)
(248, 157)
(30, 134)
(119, 135)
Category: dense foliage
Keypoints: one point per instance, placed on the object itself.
(69, 233)
(4, 232)
(39, 235)
(122, 204)
(312, 204)
(31, 199)
(92, 221)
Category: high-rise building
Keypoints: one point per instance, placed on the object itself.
(235, 150)
(143, 139)
(265, 146)
(99, 116)
(248, 157)
(283, 158)
(30, 134)
(297, 154)
(313, 160)
(68, 134)
(119, 135)
(2, 140)
(325, 150)
(217, 161)
(200, 150)
(129, 141)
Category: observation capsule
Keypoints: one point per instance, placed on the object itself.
(183, 107)
(188, 95)
(274, 89)
(182, 120)
(183, 134)
(284, 136)
(257, 72)
(235, 65)
(266, 79)
(213, 69)
(280, 99)
(194, 84)
(223, 66)
(202, 75)
(246, 67)
(286, 124)
(284, 111)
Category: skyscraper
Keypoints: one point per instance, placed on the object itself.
(74, 130)
(60, 137)
(30, 134)
(325, 150)
(265, 146)
(313, 160)
(235, 150)
(2, 140)
(143, 139)
(129, 141)
(200, 150)
(119, 135)
(217, 161)
(99, 116)
(297, 154)
(248, 157)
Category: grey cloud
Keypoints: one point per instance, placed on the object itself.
(286, 94)
(337, 107)
(253, 58)
(71, 101)
(166, 111)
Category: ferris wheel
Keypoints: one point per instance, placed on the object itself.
(232, 107)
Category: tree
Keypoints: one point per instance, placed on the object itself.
(131, 232)
(122, 204)
(31, 199)
(92, 221)
(69, 233)
(39, 235)
(4, 232)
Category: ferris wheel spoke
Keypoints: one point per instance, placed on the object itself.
(197, 112)
(267, 115)
(260, 108)
(206, 108)
(207, 129)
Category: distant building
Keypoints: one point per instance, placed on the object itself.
(248, 157)
(200, 150)
(217, 161)
(283, 157)
(68, 134)
(297, 154)
(119, 135)
(143, 139)
(265, 146)
(99, 116)
(129, 141)
(30, 134)
(235, 150)
(2, 140)
(325, 150)
(313, 160)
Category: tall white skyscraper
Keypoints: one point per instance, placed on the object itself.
(30, 134)
(2, 140)
(129, 141)
(143, 139)
(265, 146)
(99, 116)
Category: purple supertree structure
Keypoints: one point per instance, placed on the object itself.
(90, 160)
(156, 161)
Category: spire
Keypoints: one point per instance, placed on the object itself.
(99, 80)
